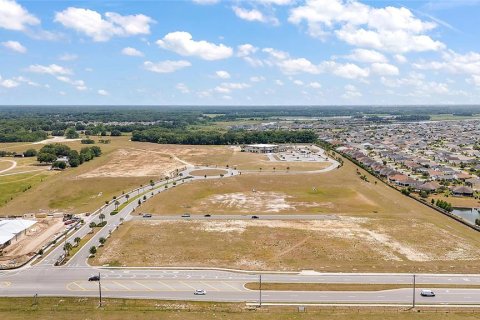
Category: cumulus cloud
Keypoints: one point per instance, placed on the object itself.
(254, 15)
(257, 79)
(206, 2)
(182, 43)
(103, 28)
(167, 66)
(385, 69)
(14, 46)
(68, 57)
(245, 50)
(351, 92)
(52, 69)
(8, 83)
(315, 85)
(388, 29)
(367, 56)
(222, 74)
(129, 51)
(78, 84)
(15, 17)
(103, 92)
(182, 88)
(227, 87)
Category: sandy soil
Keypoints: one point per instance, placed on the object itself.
(40, 233)
(208, 172)
(135, 163)
(55, 140)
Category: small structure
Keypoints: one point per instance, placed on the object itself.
(462, 191)
(12, 230)
(263, 148)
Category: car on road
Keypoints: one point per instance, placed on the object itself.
(94, 278)
(207, 215)
(254, 217)
(186, 215)
(427, 293)
(200, 292)
(147, 215)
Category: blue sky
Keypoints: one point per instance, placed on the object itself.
(262, 52)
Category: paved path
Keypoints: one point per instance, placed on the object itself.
(14, 164)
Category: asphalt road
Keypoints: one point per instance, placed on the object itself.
(221, 285)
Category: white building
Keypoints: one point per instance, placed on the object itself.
(12, 230)
(263, 148)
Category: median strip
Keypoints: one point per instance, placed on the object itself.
(271, 286)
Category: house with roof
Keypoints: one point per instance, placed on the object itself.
(462, 191)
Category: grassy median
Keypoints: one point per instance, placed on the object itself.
(87, 308)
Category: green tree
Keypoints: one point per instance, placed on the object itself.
(116, 133)
(71, 133)
(77, 240)
(102, 240)
(93, 250)
(46, 157)
(101, 217)
(30, 153)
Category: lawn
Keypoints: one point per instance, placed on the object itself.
(114, 309)
(15, 186)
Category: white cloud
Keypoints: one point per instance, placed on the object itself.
(384, 69)
(166, 66)
(388, 29)
(14, 17)
(257, 78)
(400, 58)
(27, 81)
(351, 92)
(14, 46)
(78, 84)
(279, 82)
(52, 69)
(8, 83)
(206, 2)
(129, 51)
(103, 92)
(222, 74)
(182, 88)
(347, 70)
(298, 82)
(315, 85)
(276, 2)
(68, 57)
(367, 56)
(254, 15)
(227, 87)
(182, 43)
(99, 28)
(246, 50)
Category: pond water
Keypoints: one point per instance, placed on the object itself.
(467, 214)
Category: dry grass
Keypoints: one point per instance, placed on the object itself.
(469, 202)
(115, 309)
(378, 229)
(347, 244)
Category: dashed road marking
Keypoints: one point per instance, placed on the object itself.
(121, 285)
(229, 285)
(141, 284)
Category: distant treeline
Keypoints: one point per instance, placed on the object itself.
(202, 137)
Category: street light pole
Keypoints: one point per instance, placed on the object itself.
(413, 305)
(100, 289)
(260, 291)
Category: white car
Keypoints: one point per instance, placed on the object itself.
(200, 292)
(427, 293)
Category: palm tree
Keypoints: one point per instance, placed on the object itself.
(93, 250)
(67, 247)
(102, 240)
(117, 204)
(101, 217)
(77, 240)
(127, 196)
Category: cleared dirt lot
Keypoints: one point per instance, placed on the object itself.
(208, 172)
(346, 244)
(377, 229)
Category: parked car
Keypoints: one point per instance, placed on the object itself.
(427, 293)
(200, 292)
(186, 215)
(254, 217)
(94, 278)
(147, 215)
(207, 215)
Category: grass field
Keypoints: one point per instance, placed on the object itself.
(114, 309)
(208, 172)
(373, 228)
(469, 202)
(14, 186)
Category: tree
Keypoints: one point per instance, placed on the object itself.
(116, 133)
(60, 165)
(46, 157)
(139, 202)
(92, 224)
(30, 153)
(102, 240)
(67, 247)
(77, 240)
(101, 217)
(127, 196)
(93, 250)
(117, 203)
(71, 133)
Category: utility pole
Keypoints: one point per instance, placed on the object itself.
(413, 305)
(100, 290)
(260, 291)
